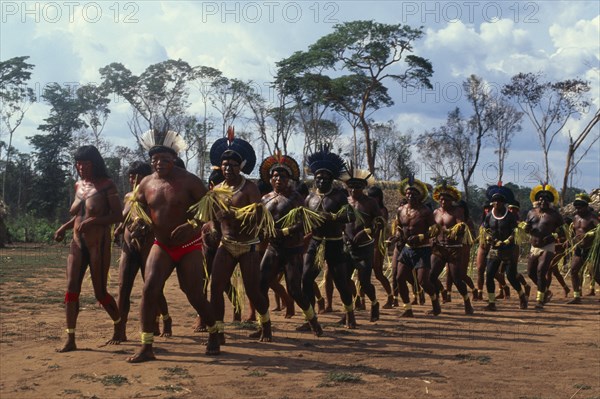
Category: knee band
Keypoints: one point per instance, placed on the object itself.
(264, 318)
(71, 297)
(309, 313)
(106, 300)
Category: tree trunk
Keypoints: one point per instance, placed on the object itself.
(563, 192)
(370, 160)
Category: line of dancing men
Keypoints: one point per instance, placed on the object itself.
(171, 221)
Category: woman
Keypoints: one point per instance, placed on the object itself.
(95, 208)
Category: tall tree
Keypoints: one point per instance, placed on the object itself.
(300, 101)
(369, 50)
(52, 158)
(228, 98)
(574, 145)
(459, 145)
(15, 100)
(157, 96)
(204, 78)
(393, 155)
(480, 125)
(94, 104)
(437, 156)
(507, 122)
(548, 105)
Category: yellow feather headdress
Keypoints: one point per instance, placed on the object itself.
(411, 182)
(544, 188)
(445, 189)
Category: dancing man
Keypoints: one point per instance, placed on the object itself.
(360, 233)
(585, 226)
(541, 224)
(166, 196)
(499, 229)
(414, 228)
(332, 204)
(448, 245)
(285, 250)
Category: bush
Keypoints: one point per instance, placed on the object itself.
(28, 228)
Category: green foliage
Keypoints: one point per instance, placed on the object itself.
(368, 50)
(336, 376)
(29, 228)
(51, 150)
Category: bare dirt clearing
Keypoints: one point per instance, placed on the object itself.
(506, 354)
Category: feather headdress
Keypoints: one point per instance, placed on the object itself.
(411, 182)
(544, 188)
(156, 141)
(582, 198)
(231, 147)
(279, 161)
(354, 177)
(445, 189)
(501, 193)
(326, 160)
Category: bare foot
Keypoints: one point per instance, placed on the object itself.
(315, 326)
(266, 335)
(144, 355)
(199, 326)
(303, 327)
(320, 305)
(68, 347)
(167, 329)
(290, 312)
(118, 334)
(213, 346)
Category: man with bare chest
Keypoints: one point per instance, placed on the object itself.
(413, 229)
(360, 233)
(332, 204)
(499, 236)
(166, 195)
(585, 225)
(95, 208)
(137, 241)
(448, 245)
(285, 250)
(541, 223)
(239, 229)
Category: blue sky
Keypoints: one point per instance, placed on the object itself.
(69, 41)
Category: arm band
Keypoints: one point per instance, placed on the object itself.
(285, 231)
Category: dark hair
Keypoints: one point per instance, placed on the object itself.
(158, 149)
(232, 155)
(216, 177)
(139, 168)
(377, 193)
(463, 204)
(179, 162)
(303, 189)
(91, 153)
(264, 187)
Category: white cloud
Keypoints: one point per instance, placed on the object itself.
(560, 38)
